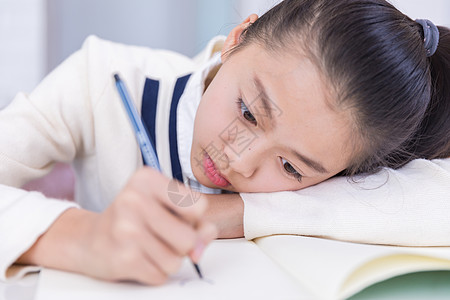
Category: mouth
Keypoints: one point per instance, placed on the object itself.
(212, 173)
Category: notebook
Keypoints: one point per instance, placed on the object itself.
(274, 267)
(232, 269)
(332, 269)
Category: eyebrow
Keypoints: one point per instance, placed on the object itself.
(267, 108)
(262, 95)
(311, 163)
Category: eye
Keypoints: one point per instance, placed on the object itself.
(288, 168)
(245, 112)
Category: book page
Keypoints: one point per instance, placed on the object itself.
(336, 270)
(390, 266)
(232, 269)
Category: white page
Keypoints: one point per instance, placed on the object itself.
(233, 269)
(323, 265)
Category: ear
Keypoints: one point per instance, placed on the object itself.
(235, 34)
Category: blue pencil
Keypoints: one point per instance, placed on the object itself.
(148, 153)
(147, 149)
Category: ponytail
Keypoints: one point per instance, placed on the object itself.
(432, 139)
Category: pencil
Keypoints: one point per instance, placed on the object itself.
(146, 146)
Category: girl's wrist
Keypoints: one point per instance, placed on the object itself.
(226, 211)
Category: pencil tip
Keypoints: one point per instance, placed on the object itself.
(198, 271)
(116, 77)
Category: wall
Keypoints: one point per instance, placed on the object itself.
(36, 35)
(22, 46)
(437, 11)
(179, 25)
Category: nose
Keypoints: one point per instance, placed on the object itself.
(243, 148)
(245, 161)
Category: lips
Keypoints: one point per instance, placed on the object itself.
(212, 173)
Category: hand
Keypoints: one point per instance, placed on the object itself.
(141, 236)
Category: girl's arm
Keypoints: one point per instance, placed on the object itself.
(141, 236)
(226, 211)
(409, 206)
(52, 123)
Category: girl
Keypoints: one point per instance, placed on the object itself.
(311, 90)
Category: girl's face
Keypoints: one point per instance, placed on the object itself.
(265, 124)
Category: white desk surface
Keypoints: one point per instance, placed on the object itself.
(23, 289)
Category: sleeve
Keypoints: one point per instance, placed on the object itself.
(24, 216)
(409, 207)
(53, 123)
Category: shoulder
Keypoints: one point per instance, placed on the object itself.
(153, 63)
(147, 61)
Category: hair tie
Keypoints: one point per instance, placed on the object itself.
(431, 36)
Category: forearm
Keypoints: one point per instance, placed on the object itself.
(226, 211)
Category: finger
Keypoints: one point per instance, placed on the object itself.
(182, 200)
(161, 255)
(207, 232)
(152, 184)
(146, 272)
(169, 228)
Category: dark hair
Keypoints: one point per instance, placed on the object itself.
(374, 58)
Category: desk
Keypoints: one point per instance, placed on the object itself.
(23, 289)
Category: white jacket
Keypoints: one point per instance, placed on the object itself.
(75, 115)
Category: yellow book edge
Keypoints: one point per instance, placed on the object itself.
(387, 267)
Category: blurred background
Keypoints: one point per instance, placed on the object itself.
(36, 35)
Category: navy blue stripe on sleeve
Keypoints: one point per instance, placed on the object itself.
(180, 85)
(149, 105)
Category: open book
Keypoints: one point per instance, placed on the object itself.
(332, 269)
(275, 267)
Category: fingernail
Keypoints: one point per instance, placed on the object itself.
(197, 252)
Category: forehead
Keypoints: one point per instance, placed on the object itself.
(302, 104)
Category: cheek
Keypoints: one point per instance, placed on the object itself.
(215, 113)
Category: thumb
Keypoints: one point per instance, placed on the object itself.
(207, 232)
